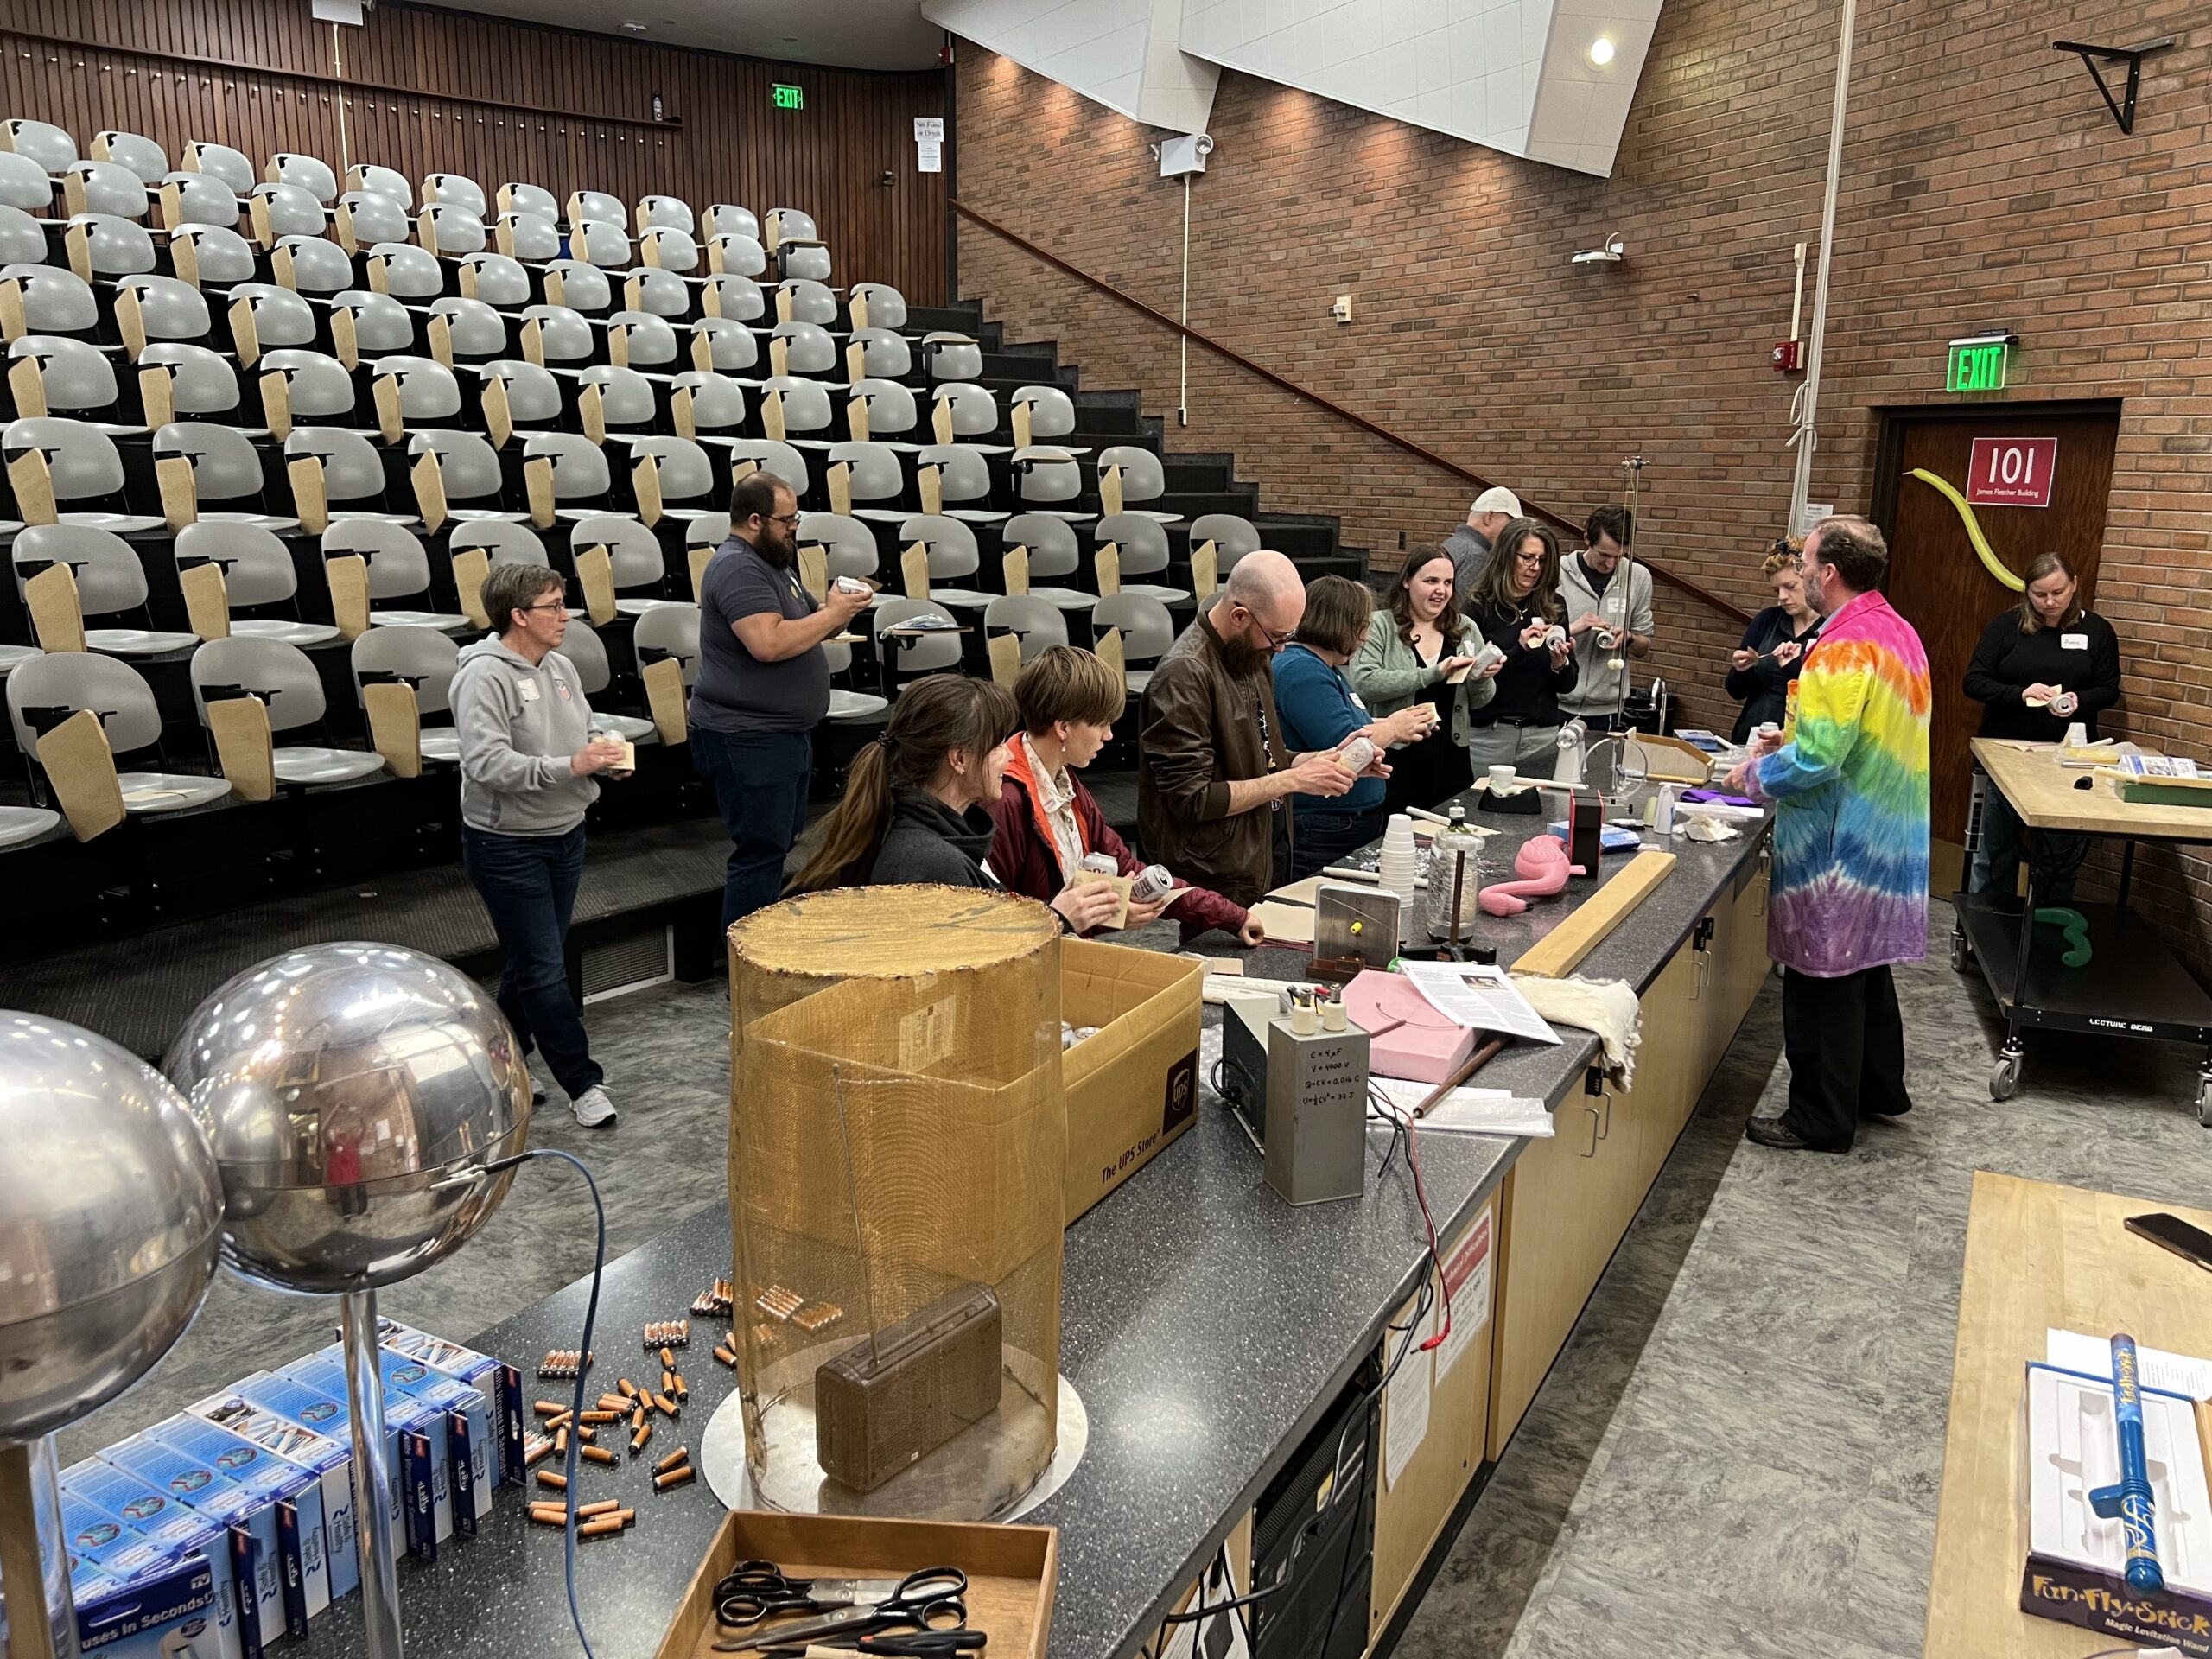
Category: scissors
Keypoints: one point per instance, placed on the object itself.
(929, 1600)
(753, 1592)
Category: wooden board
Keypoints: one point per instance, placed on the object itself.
(1558, 950)
(80, 768)
(1288, 924)
(2043, 792)
(2037, 1255)
(242, 744)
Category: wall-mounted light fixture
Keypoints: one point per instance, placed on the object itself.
(1612, 253)
(1601, 51)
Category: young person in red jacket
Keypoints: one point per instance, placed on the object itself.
(1046, 820)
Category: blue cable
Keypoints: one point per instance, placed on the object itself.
(583, 1367)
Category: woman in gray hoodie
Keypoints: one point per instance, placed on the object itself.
(529, 770)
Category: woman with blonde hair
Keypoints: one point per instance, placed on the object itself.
(1774, 646)
(2048, 661)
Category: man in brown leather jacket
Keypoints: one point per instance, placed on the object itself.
(1213, 777)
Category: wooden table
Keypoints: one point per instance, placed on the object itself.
(2134, 985)
(2037, 1255)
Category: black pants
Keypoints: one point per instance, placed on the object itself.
(1845, 1043)
(761, 781)
(2054, 857)
(529, 886)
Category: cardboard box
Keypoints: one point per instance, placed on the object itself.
(228, 1503)
(1012, 1570)
(497, 1385)
(292, 1497)
(166, 1610)
(326, 1560)
(1132, 1087)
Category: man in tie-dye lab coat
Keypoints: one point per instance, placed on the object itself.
(1848, 778)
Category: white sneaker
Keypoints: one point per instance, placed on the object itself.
(593, 1108)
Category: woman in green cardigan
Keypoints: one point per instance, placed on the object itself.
(1414, 645)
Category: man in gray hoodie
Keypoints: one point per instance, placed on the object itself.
(529, 770)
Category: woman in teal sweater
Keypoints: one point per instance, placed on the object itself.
(1414, 645)
(1319, 710)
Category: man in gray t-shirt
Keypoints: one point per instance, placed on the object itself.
(763, 685)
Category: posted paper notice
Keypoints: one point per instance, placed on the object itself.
(1466, 1275)
(1405, 1404)
(1482, 998)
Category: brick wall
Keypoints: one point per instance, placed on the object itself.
(1985, 182)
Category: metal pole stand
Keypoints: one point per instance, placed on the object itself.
(34, 1566)
(372, 1475)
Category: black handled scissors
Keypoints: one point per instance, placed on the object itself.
(753, 1592)
(929, 1600)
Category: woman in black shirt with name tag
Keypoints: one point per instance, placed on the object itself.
(2039, 668)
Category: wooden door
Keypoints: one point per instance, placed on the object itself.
(1938, 581)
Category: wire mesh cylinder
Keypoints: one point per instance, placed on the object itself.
(898, 1143)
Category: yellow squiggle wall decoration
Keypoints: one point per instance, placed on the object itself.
(1996, 565)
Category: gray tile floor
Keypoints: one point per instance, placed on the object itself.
(1740, 1452)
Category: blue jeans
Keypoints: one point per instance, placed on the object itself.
(1325, 836)
(759, 780)
(529, 886)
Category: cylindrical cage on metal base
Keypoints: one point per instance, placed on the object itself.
(897, 1144)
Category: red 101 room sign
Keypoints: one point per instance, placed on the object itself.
(2011, 471)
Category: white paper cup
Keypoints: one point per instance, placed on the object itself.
(1502, 777)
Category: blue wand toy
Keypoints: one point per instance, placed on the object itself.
(2130, 1501)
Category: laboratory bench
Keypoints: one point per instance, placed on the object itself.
(1207, 1326)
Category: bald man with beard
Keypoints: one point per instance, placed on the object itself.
(1213, 776)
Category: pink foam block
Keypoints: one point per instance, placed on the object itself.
(1406, 1038)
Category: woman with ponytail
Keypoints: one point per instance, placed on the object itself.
(913, 806)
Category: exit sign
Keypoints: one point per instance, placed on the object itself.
(1978, 365)
(786, 97)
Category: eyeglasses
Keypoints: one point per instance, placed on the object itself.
(548, 605)
(790, 518)
(1274, 644)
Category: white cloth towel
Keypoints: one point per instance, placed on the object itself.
(1607, 1006)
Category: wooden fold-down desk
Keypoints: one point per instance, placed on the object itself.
(2037, 1255)
(2134, 985)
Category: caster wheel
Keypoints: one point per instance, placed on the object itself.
(1960, 956)
(2005, 1077)
(2204, 1101)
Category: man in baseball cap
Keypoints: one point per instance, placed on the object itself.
(1469, 545)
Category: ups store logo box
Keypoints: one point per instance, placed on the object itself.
(1132, 1086)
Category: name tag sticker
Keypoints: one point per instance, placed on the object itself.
(2073, 642)
(530, 690)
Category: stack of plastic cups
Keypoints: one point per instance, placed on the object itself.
(1399, 869)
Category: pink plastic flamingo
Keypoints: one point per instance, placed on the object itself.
(1541, 864)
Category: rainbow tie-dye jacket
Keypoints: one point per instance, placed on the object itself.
(1850, 790)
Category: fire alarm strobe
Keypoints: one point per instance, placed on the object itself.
(1788, 357)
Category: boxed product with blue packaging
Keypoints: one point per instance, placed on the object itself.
(178, 1532)
(95, 1535)
(498, 1385)
(416, 1456)
(471, 1455)
(324, 1417)
(229, 1503)
(167, 1610)
(332, 1569)
(291, 1506)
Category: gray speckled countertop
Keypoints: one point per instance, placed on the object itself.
(1204, 1322)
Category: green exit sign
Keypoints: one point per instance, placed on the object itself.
(1978, 365)
(785, 95)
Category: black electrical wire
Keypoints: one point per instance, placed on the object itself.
(583, 1367)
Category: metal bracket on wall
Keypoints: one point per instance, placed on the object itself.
(2122, 111)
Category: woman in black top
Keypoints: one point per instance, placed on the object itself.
(2038, 667)
(1773, 647)
(914, 805)
(1515, 605)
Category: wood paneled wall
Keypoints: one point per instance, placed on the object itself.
(430, 90)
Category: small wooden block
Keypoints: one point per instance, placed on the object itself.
(1006, 659)
(665, 697)
(206, 600)
(244, 747)
(395, 727)
(1015, 568)
(80, 770)
(914, 571)
(57, 617)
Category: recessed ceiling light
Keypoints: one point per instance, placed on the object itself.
(634, 28)
(1601, 51)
